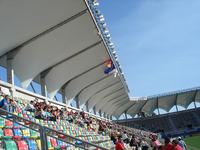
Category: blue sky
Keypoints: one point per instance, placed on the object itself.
(157, 41)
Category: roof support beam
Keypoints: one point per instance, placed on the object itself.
(94, 109)
(158, 107)
(77, 103)
(176, 102)
(194, 98)
(143, 105)
(64, 100)
(129, 107)
(10, 72)
(87, 108)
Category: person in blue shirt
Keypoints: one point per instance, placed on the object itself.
(5, 103)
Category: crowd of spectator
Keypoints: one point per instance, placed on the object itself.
(122, 138)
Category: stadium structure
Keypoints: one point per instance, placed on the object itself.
(65, 47)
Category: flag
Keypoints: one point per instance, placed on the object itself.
(109, 66)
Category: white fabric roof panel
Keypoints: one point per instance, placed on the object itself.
(85, 80)
(167, 102)
(77, 65)
(197, 97)
(90, 91)
(115, 107)
(99, 96)
(61, 41)
(184, 99)
(150, 105)
(54, 47)
(110, 103)
(21, 20)
(136, 107)
(123, 106)
(71, 88)
(106, 99)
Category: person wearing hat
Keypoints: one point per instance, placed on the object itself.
(176, 145)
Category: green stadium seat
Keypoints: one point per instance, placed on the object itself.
(10, 145)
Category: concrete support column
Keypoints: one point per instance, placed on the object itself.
(176, 108)
(195, 105)
(104, 115)
(94, 109)
(87, 108)
(125, 115)
(10, 73)
(77, 102)
(100, 113)
(43, 87)
(64, 99)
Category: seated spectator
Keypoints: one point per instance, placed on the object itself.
(134, 142)
(155, 142)
(176, 145)
(38, 114)
(30, 106)
(113, 138)
(119, 143)
(125, 137)
(144, 145)
(168, 145)
(182, 143)
(5, 103)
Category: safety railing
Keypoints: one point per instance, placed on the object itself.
(46, 131)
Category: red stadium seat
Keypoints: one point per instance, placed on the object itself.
(8, 123)
(53, 142)
(22, 145)
(8, 132)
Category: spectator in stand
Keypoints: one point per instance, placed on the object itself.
(155, 142)
(134, 142)
(125, 137)
(30, 106)
(5, 103)
(182, 143)
(176, 145)
(113, 138)
(168, 145)
(144, 144)
(119, 143)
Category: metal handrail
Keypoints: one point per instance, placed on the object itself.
(44, 131)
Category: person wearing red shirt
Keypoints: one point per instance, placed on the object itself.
(176, 145)
(168, 145)
(119, 144)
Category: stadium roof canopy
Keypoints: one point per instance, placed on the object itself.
(164, 101)
(65, 42)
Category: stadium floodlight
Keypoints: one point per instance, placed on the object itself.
(111, 43)
(95, 3)
(108, 35)
(101, 18)
(106, 31)
(114, 52)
